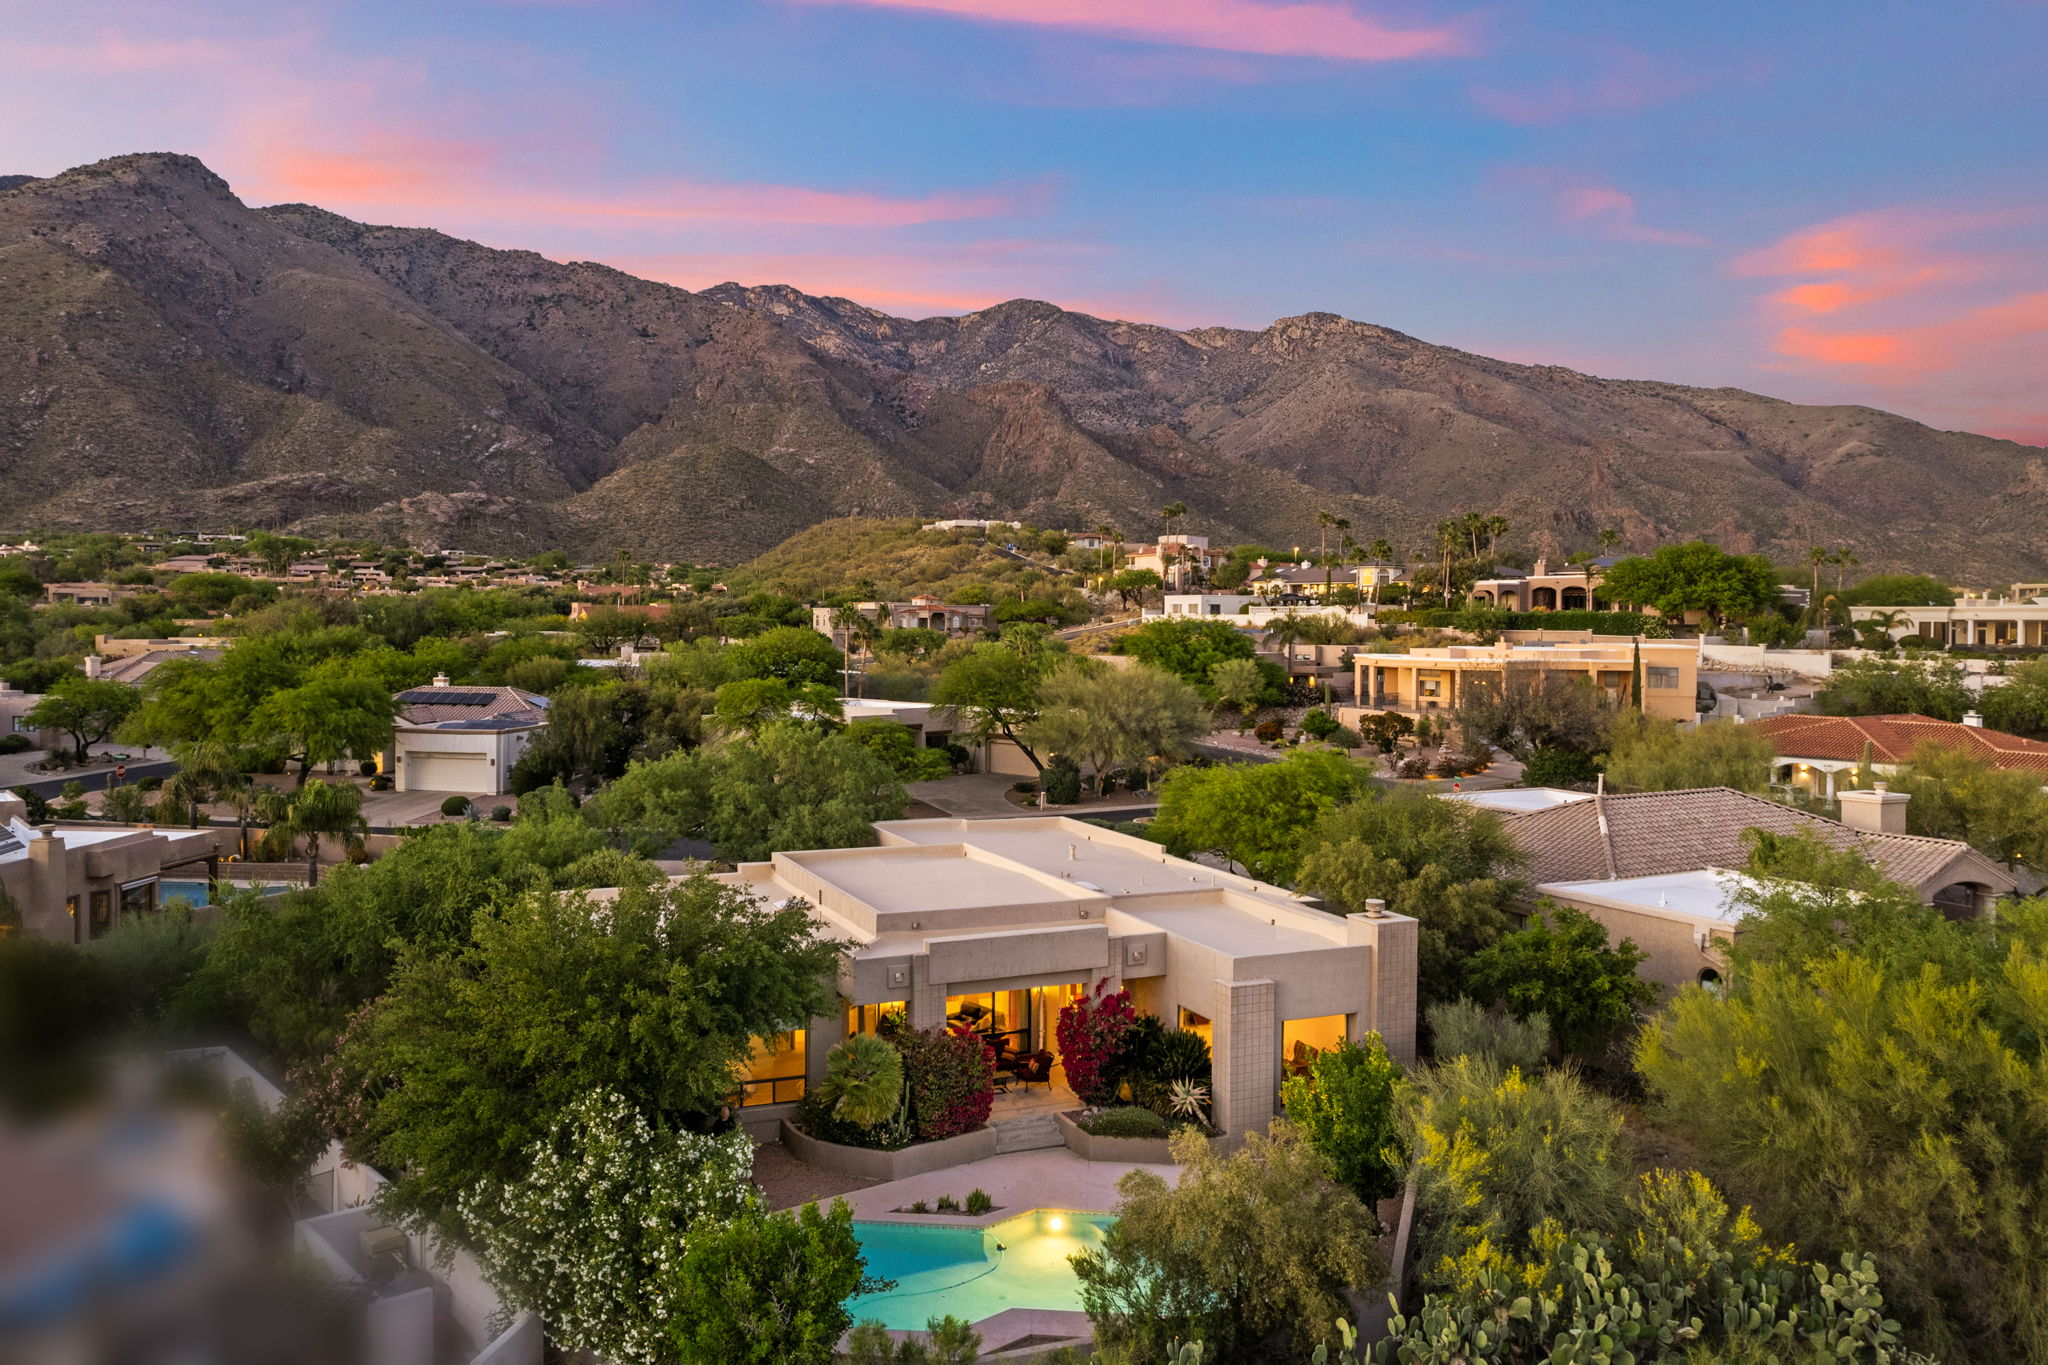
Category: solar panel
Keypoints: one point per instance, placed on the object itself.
(434, 696)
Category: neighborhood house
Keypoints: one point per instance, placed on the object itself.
(462, 739)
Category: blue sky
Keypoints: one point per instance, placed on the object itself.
(1827, 201)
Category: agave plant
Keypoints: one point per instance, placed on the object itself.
(1188, 1100)
(863, 1080)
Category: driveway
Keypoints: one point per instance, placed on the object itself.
(985, 796)
(140, 762)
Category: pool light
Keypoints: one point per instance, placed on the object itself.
(1056, 1224)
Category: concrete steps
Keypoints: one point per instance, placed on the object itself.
(1027, 1134)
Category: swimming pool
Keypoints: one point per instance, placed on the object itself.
(197, 894)
(974, 1273)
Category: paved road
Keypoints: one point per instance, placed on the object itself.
(97, 780)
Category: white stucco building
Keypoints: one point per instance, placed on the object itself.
(462, 740)
(1005, 921)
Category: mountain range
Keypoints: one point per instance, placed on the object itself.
(170, 357)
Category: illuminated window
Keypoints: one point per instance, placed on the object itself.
(868, 1018)
(774, 1072)
(1302, 1039)
(1197, 1024)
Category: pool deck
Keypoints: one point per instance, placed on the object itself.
(1049, 1178)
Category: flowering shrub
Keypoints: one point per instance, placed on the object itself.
(952, 1081)
(1091, 1036)
(591, 1237)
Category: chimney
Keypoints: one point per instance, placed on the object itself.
(92, 665)
(1542, 567)
(440, 680)
(1878, 811)
(1974, 719)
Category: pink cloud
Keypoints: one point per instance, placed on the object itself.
(110, 52)
(1942, 310)
(389, 169)
(1328, 30)
(1611, 213)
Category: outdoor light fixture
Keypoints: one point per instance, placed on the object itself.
(1056, 1224)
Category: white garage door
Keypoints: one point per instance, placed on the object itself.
(429, 771)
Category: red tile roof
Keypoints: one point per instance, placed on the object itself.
(1647, 834)
(1891, 738)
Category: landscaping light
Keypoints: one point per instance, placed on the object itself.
(1056, 1224)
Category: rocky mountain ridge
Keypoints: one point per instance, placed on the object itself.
(170, 355)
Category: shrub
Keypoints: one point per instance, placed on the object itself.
(920, 1206)
(863, 1080)
(1062, 778)
(1091, 1035)
(1180, 1055)
(501, 814)
(1344, 1106)
(455, 805)
(1318, 723)
(978, 1201)
(1412, 767)
(381, 782)
(1450, 763)
(1498, 1155)
(1269, 731)
(948, 1204)
(15, 744)
(1551, 767)
(1242, 1248)
(1460, 1028)
(947, 1341)
(1344, 737)
(952, 1082)
(1124, 1121)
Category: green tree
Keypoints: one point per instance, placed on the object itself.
(1525, 708)
(1460, 1028)
(330, 717)
(747, 704)
(473, 1057)
(1885, 687)
(1898, 590)
(1344, 1106)
(795, 654)
(1132, 585)
(1188, 649)
(1646, 754)
(316, 811)
(1242, 1247)
(1240, 685)
(1114, 717)
(208, 771)
(1499, 1156)
(1450, 866)
(1957, 794)
(2019, 706)
(787, 787)
(769, 1288)
(87, 709)
(602, 631)
(588, 1229)
(1886, 1102)
(896, 745)
(1257, 815)
(1695, 576)
(995, 687)
(1561, 966)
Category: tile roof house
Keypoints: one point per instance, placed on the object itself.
(1603, 853)
(462, 740)
(1813, 749)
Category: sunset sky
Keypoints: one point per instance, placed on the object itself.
(1827, 201)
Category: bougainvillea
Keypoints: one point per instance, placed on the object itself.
(591, 1236)
(1091, 1033)
(952, 1081)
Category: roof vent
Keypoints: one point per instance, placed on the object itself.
(440, 680)
(1974, 719)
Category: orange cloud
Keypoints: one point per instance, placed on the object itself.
(1841, 348)
(1830, 297)
(1329, 30)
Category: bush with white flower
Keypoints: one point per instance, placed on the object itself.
(589, 1236)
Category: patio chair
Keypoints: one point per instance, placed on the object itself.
(1036, 1068)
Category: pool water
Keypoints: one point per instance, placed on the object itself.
(197, 894)
(974, 1273)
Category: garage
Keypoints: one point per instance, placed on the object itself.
(428, 770)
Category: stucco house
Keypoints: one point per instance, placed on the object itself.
(2019, 618)
(1658, 867)
(70, 883)
(1005, 921)
(462, 740)
(1424, 680)
(923, 612)
(1572, 588)
(1817, 753)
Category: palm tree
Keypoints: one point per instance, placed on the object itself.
(1845, 560)
(1324, 521)
(1609, 538)
(1113, 541)
(845, 621)
(1382, 552)
(1817, 556)
(319, 810)
(207, 771)
(1172, 512)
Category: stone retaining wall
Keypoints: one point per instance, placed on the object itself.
(916, 1159)
(1130, 1151)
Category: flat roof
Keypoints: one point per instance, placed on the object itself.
(1705, 893)
(1518, 798)
(1093, 858)
(947, 877)
(1219, 920)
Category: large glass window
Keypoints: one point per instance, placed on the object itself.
(1655, 676)
(868, 1018)
(102, 913)
(1003, 1018)
(1197, 1024)
(1302, 1039)
(774, 1072)
(139, 898)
